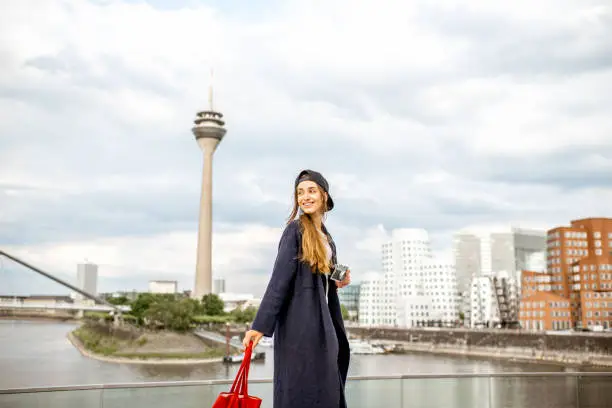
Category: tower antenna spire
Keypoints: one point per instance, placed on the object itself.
(210, 91)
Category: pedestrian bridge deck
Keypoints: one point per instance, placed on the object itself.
(504, 390)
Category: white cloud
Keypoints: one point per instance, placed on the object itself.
(169, 254)
(430, 114)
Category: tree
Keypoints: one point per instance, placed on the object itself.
(243, 316)
(119, 300)
(212, 305)
(144, 301)
(345, 312)
(172, 314)
(142, 304)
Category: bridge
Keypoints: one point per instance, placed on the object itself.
(62, 306)
(99, 303)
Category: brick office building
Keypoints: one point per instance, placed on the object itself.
(576, 289)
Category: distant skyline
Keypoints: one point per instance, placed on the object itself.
(421, 114)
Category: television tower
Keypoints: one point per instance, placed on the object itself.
(208, 130)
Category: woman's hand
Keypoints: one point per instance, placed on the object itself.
(251, 335)
(346, 281)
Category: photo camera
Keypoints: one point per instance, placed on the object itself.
(338, 272)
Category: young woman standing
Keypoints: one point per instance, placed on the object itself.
(301, 309)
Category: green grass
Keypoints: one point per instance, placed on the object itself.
(105, 345)
(96, 342)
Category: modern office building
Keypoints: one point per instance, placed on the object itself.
(576, 289)
(163, 286)
(87, 280)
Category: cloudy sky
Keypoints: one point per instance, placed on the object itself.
(422, 114)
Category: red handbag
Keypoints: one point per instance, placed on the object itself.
(238, 396)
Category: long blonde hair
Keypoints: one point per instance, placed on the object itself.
(313, 248)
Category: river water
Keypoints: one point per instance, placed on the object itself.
(37, 353)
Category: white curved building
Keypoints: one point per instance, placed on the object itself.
(414, 286)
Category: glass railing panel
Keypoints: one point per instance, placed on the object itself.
(262, 390)
(365, 393)
(447, 392)
(184, 395)
(151, 396)
(359, 393)
(534, 391)
(53, 399)
(594, 391)
(561, 390)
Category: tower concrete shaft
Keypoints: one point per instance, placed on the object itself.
(209, 131)
(203, 279)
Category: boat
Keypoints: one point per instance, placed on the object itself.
(362, 347)
(266, 342)
(237, 358)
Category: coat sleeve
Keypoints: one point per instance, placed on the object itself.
(279, 286)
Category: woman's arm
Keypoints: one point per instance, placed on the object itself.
(279, 286)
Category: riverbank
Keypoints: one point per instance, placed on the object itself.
(39, 318)
(143, 348)
(576, 349)
(512, 354)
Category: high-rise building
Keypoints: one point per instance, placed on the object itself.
(218, 285)
(485, 253)
(87, 280)
(576, 289)
(415, 287)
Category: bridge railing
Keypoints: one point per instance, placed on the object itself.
(503, 390)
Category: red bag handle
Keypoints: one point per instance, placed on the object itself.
(239, 385)
(245, 372)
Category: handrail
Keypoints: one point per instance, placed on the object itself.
(58, 280)
(156, 384)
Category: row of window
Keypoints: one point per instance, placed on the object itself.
(597, 305)
(598, 295)
(570, 260)
(578, 234)
(542, 304)
(585, 268)
(605, 313)
(539, 278)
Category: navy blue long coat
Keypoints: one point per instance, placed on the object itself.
(311, 350)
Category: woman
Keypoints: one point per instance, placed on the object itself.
(301, 307)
